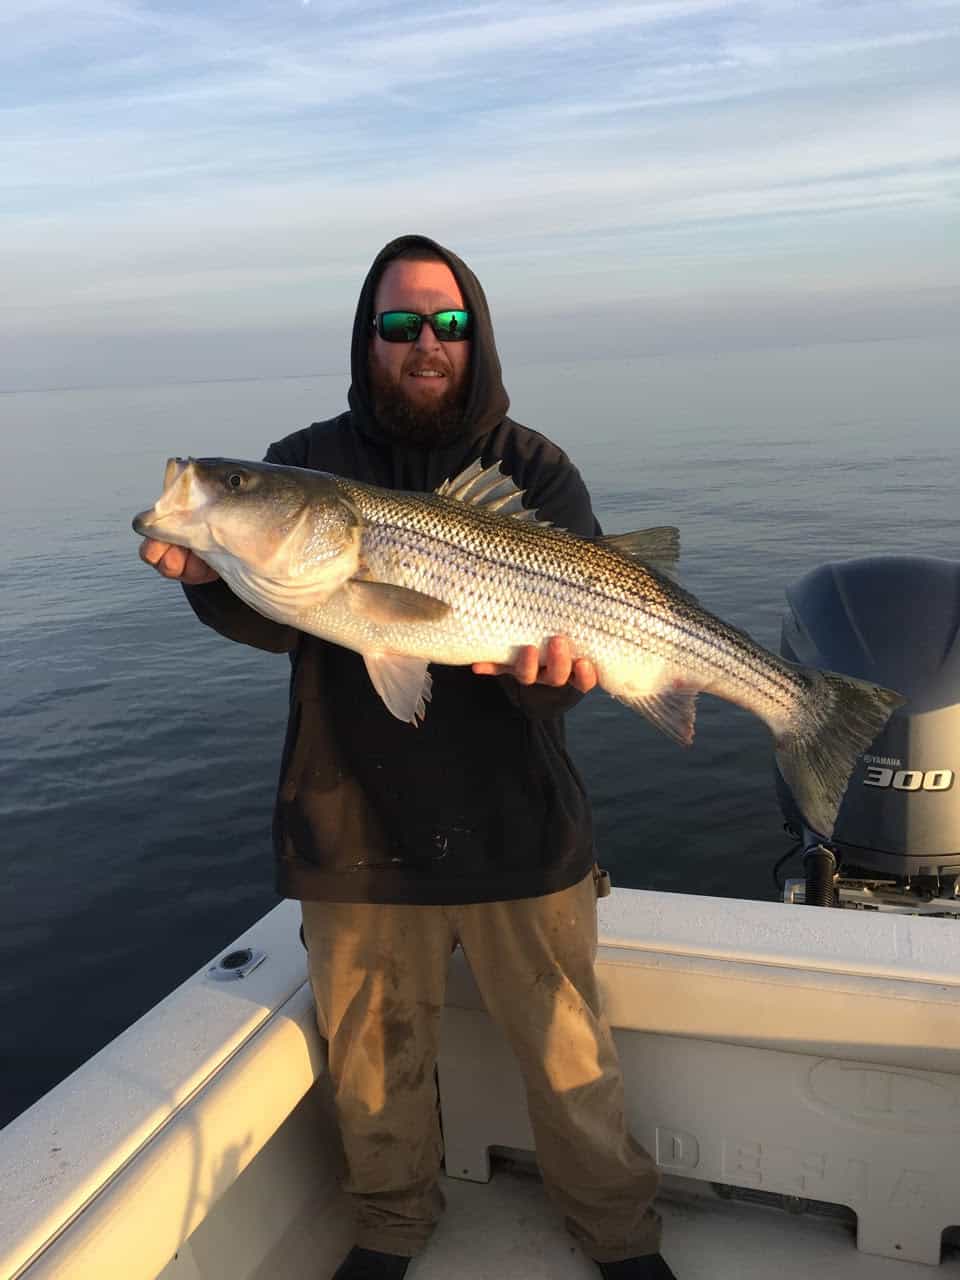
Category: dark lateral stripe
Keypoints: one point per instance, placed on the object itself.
(699, 637)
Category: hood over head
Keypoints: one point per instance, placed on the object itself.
(487, 401)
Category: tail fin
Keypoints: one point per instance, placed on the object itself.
(840, 719)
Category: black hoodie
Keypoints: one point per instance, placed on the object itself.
(481, 803)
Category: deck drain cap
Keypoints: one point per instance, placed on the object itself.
(236, 964)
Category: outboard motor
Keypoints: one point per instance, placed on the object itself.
(893, 620)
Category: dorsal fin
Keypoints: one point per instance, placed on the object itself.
(490, 488)
(659, 548)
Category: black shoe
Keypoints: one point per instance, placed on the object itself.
(651, 1266)
(368, 1264)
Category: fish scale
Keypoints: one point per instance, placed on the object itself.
(555, 580)
(469, 575)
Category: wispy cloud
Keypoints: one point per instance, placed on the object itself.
(229, 164)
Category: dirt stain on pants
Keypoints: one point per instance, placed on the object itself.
(378, 974)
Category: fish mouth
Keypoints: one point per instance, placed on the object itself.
(153, 523)
(148, 522)
(143, 522)
(173, 470)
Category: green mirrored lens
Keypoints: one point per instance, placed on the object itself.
(451, 326)
(399, 326)
(404, 326)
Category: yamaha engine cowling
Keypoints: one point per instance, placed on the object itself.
(893, 620)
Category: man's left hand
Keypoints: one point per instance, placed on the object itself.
(561, 668)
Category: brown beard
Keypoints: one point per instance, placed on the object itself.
(423, 426)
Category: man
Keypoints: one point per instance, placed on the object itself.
(472, 829)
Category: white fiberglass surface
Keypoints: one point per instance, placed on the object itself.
(507, 1230)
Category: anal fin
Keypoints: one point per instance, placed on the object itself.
(403, 683)
(673, 711)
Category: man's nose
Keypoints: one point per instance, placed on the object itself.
(427, 340)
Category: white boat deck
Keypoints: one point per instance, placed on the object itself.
(507, 1229)
(774, 1050)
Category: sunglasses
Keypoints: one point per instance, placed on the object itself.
(405, 326)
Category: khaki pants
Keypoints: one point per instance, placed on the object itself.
(378, 975)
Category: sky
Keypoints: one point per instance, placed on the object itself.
(197, 189)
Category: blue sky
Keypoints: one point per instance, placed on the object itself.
(226, 172)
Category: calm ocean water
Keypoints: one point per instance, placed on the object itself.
(138, 749)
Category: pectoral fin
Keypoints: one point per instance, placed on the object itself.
(381, 602)
(403, 683)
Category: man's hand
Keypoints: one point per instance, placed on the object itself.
(560, 668)
(176, 562)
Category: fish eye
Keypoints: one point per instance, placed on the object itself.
(235, 480)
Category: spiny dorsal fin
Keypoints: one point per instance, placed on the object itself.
(659, 548)
(490, 488)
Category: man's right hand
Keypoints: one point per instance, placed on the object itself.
(176, 562)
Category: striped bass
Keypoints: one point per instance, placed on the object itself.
(469, 574)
